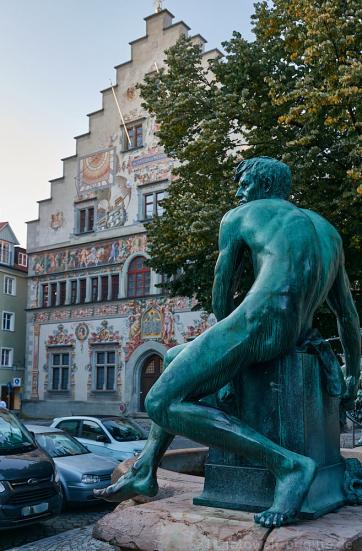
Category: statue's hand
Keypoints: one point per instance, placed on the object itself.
(350, 395)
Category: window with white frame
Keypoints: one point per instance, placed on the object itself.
(9, 285)
(104, 370)
(22, 259)
(60, 366)
(8, 321)
(152, 204)
(85, 219)
(6, 357)
(6, 252)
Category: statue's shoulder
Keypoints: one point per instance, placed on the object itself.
(320, 222)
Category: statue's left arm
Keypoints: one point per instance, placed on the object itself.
(341, 303)
(230, 248)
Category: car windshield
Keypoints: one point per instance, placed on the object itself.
(14, 438)
(59, 444)
(123, 431)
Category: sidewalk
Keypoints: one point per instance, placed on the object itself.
(79, 539)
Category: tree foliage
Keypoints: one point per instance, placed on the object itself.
(293, 93)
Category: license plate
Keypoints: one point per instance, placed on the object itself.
(34, 509)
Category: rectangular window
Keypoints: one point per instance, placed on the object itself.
(82, 290)
(6, 357)
(152, 204)
(86, 220)
(105, 370)
(139, 135)
(104, 287)
(148, 205)
(135, 134)
(73, 291)
(45, 295)
(60, 363)
(82, 220)
(94, 282)
(115, 286)
(160, 195)
(6, 250)
(9, 285)
(139, 278)
(8, 321)
(53, 294)
(22, 259)
(62, 292)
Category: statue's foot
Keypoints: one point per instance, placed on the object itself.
(291, 488)
(135, 482)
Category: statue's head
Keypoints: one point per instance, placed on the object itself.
(263, 178)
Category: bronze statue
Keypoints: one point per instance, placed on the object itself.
(298, 265)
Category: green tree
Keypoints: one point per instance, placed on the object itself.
(293, 93)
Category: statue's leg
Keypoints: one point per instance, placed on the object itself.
(205, 366)
(141, 478)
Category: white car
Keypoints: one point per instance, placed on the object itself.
(113, 437)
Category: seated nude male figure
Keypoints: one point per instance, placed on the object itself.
(298, 264)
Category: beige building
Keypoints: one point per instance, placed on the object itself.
(98, 327)
(13, 272)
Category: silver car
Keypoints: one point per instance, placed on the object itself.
(80, 471)
(115, 437)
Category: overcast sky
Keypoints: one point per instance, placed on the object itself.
(55, 57)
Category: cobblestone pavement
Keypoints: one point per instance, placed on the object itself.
(69, 520)
(79, 539)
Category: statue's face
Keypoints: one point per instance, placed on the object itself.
(249, 187)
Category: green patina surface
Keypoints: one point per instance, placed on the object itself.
(298, 265)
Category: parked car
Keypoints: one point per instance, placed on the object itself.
(80, 471)
(29, 483)
(114, 437)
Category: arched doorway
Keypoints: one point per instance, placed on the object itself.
(150, 372)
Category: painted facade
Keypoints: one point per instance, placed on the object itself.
(13, 284)
(95, 314)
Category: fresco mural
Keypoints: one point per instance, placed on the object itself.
(33, 293)
(61, 337)
(112, 204)
(149, 165)
(153, 321)
(82, 333)
(151, 324)
(109, 176)
(100, 179)
(57, 220)
(99, 254)
(96, 171)
(123, 309)
(104, 334)
(200, 325)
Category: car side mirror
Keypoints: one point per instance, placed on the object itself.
(102, 438)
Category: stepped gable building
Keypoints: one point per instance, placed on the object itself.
(97, 325)
(13, 271)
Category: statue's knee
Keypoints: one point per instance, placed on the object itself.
(172, 353)
(154, 406)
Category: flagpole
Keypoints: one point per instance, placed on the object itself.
(120, 113)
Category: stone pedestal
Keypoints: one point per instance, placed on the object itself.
(286, 400)
(175, 524)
